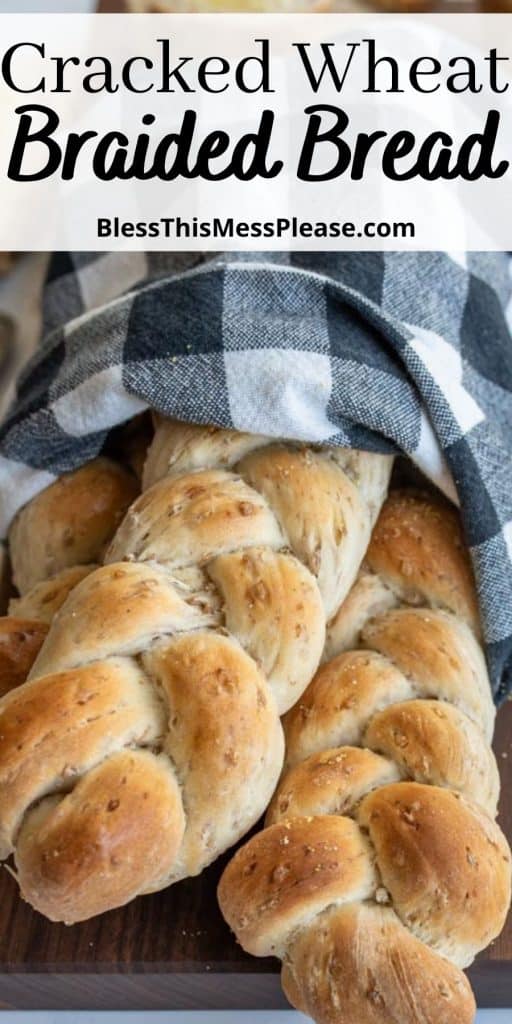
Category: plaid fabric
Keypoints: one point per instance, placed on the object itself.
(389, 352)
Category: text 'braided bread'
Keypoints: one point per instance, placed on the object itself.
(54, 542)
(382, 872)
(147, 739)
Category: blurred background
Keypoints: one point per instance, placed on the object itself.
(162, 6)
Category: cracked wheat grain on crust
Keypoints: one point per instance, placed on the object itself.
(381, 872)
(168, 666)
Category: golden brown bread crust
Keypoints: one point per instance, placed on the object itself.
(395, 735)
(185, 521)
(164, 653)
(418, 549)
(20, 642)
(359, 963)
(273, 605)
(55, 729)
(104, 841)
(43, 601)
(321, 511)
(441, 864)
(224, 738)
(369, 598)
(182, 448)
(70, 522)
(416, 556)
(432, 741)
(253, 525)
(444, 863)
(88, 496)
(340, 701)
(289, 873)
(439, 655)
(118, 609)
(361, 697)
(331, 782)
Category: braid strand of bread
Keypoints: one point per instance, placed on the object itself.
(381, 872)
(54, 542)
(147, 739)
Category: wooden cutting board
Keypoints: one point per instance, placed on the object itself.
(173, 951)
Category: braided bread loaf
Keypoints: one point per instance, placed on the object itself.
(52, 542)
(70, 523)
(381, 872)
(147, 739)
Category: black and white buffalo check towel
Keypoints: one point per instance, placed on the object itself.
(390, 352)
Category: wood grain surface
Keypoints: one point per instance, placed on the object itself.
(173, 951)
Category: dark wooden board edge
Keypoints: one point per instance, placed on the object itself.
(191, 991)
(492, 984)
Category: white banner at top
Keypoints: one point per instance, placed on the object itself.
(314, 132)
